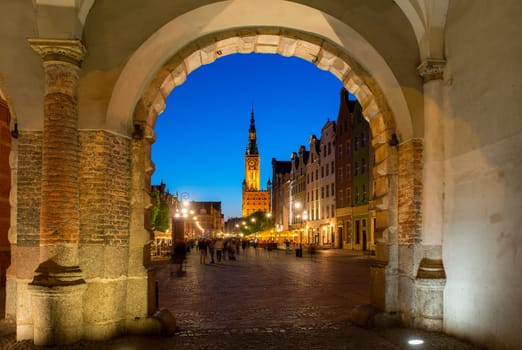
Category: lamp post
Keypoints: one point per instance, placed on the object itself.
(180, 216)
(300, 217)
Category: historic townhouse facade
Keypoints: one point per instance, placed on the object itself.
(280, 194)
(362, 218)
(297, 209)
(325, 237)
(331, 185)
(343, 166)
(313, 189)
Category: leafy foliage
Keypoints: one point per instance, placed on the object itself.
(256, 222)
(160, 213)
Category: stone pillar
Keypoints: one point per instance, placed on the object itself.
(384, 272)
(140, 293)
(430, 283)
(57, 288)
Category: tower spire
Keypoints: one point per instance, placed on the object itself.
(252, 142)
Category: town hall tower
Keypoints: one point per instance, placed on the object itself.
(254, 199)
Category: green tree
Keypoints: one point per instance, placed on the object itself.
(160, 213)
(155, 208)
(256, 222)
(163, 218)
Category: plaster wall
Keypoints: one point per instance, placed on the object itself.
(21, 69)
(482, 243)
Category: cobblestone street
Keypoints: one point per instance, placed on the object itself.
(266, 289)
(268, 300)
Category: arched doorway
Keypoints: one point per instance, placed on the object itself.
(115, 165)
(167, 58)
(290, 43)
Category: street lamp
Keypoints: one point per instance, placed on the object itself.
(180, 216)
(300, 217)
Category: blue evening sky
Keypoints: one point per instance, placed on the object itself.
(202, 135)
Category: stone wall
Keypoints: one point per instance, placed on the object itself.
(104, 230)
(409, 210)
(25, 246)
(104, 188)
(29, 188)
(410, 190)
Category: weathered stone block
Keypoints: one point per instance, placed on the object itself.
(382, 153)
(193, 62)
(287, 46)
(57, 318)
(382, 186)
(430, 303)
(104, 310)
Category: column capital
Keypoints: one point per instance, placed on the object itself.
(431, 69)
(61, 50)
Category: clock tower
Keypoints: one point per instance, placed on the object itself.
(254, 199)
(252, 159)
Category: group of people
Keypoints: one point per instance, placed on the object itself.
(219, 248)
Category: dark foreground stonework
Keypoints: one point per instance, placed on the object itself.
(265, 300)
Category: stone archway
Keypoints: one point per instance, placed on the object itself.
(325, 56)
(115, 165)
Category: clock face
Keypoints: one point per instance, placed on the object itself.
(251, 164)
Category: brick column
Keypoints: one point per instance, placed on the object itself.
(431, 279)
(58, 286)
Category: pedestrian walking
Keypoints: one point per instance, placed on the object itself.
(218, 246)
(232, 250)
(179, 256)
(202, 246)
(287, 246)
(244, 244)
(312, 250)
(211, 250)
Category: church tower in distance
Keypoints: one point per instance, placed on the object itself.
(254, 199)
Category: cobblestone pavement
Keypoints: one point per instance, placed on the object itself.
(267, 300)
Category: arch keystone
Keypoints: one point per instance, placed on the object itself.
(247, 44)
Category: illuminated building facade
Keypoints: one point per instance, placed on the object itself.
(280, 193)
(343, 165)
(327, 223)
(254, 198)
(362, 217)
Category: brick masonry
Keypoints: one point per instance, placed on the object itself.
(59, 217)
(29, 192)
(410, 191)
(104, 188)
